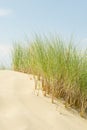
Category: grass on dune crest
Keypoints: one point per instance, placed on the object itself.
(60, 67)
(3, 67)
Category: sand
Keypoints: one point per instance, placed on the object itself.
(22, 109)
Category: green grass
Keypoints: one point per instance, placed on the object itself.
(61, 67)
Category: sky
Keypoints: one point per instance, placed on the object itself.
(21, 18)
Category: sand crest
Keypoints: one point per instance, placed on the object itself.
(22, 109)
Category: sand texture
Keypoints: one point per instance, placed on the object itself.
(22, 109)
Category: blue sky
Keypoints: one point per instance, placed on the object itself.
(19, 18)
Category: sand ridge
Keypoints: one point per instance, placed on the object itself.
(22, 109)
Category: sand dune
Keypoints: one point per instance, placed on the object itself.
(22, 109)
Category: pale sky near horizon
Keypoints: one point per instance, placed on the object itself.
(19, 18)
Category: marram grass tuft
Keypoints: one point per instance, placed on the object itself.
(61, 69)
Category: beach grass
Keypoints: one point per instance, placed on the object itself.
(61, 68)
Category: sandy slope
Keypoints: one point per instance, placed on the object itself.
(21, 109)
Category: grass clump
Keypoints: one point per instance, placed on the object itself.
(60, 67)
